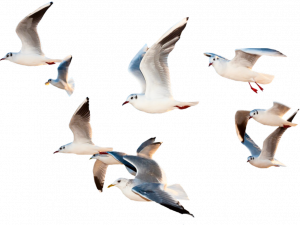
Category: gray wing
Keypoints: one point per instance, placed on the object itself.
(134, 67)
(278, 109)
(272, 141)
(99, 172)
(148, 147)
(80, 123)
(63, 69)
(208, 54)
(250, 144)
(120, 157)
(247, 57)
(156, 193)
(154, 65)
(147, 169)
(27, 30)
(241, 121)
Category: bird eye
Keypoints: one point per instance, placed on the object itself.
(10, 54)
(214, 59)
(7, 55)
(136, 97)
(131, 97)
(119, 181)
(60, 148)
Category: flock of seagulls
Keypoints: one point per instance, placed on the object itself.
(150, 67)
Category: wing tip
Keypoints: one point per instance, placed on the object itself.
(87, 99)
(207, 54)
(51, 3)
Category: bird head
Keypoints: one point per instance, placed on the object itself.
(131, 99)
(250, 158)
(212, 60)
(63, 149)
(255, 113)
(8, 56)
(48, 82)
(120, 183)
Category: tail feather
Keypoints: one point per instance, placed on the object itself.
(71, 86)
(264, 78)
(177, 192)
(291, 124)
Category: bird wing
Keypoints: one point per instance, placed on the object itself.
(63, 69)
(271, 143)
(80, 123)
(208, 54)
(134, 67)
(27, 31)
(250, 144)
(247, 57)
(156, 193)
(148, 147)
(154, 65)
(147, 169)
(99, 172)
(278, 109)
(241, 120)
(119, 156)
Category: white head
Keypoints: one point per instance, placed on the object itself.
(214, 60)
(64, 149)
(256, 113)
(132, 99)
(9, 56)
(119, 183)
(50, 81)
(250, 158)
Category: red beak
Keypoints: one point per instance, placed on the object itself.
(125, 103)
(55, 152)
(209, 64)
(2, 59)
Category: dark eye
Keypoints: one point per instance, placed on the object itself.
(119, 181)
(131, 97)
(60, 148)
(214, 59)
(7, 55)
(136, 97)
(10, 54)
(64, 147)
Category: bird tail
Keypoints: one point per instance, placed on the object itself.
(70, 87)
(263, 78)
(177, 192)
(291, 124)
(278, 164)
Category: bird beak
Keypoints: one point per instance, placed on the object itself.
(2, 59)
(209, 64)
(247, 160)
(125, 103)
(250, 117)
(92, 157)
(55, 152)
(110, 185)
(47, 83)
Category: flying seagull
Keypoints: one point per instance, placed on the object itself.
(150, 184)
(265, 158)
(103, 159)
(270, 117)
(82, 131)
(31, 53)
(240, 67)
(62, 81)
(150, 66)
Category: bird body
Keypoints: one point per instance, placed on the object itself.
(150, 67)
(264, 163)
(31, 53)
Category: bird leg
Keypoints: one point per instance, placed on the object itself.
(259, 86)
(51, 63)
(286, 126)
(182, 107)
(255, 90)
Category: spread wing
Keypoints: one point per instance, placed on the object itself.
(278, 109)
(99, 172)
(63, 69)
(250, 144)
(154, 65)
(145, 143)
(119, 156)
(149, 150)
(241, 120)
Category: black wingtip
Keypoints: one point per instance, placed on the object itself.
(99, 185)
(87, 98)
(187, 18)
(51, 3)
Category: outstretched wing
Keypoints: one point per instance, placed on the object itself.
(250, 144)
(241, 120)
(63, 69)
(119, 156)
(99, 172)
(278, 109)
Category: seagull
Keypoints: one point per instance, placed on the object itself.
(31, 53)
(265, 158)
(62, 78)
(150, 66)
(270, 117)
(150, 184)
(103, 159)
(82, 131)
(240, 67)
